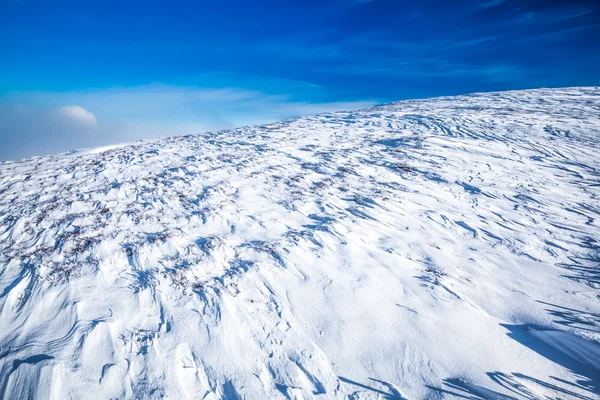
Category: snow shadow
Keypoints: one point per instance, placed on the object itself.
(461, 389)
(582, 320)
(587, 272)
(392, 393)
(517, 384)
(579, 355)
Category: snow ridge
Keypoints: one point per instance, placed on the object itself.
(433, 248)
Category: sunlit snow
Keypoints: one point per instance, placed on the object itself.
(421, 249)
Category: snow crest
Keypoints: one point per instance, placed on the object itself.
(435, 248)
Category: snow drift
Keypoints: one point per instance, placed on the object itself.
(435, 248)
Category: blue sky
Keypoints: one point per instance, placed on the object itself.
(87, 73)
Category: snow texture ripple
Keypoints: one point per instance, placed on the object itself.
(436, 248)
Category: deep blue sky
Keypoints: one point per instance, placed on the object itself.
(84, 73)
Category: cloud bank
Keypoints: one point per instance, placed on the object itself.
(38, 123)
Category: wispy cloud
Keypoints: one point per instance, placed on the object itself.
(489, 3)
(470, 42)
(355, 3)
(553, 13)
(559, 33)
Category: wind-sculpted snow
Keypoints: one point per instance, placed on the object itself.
(423, 249)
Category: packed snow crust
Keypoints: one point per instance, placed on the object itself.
(424, 249)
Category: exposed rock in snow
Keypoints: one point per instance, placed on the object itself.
(422, 249)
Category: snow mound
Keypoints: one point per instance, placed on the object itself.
(435, 248)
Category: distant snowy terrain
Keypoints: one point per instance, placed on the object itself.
(440, 248)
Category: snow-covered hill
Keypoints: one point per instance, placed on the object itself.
(421, 249)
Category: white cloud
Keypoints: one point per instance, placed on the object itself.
(78, 113)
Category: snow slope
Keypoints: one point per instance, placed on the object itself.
(435, 248)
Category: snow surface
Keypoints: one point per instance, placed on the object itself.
(435, 248)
